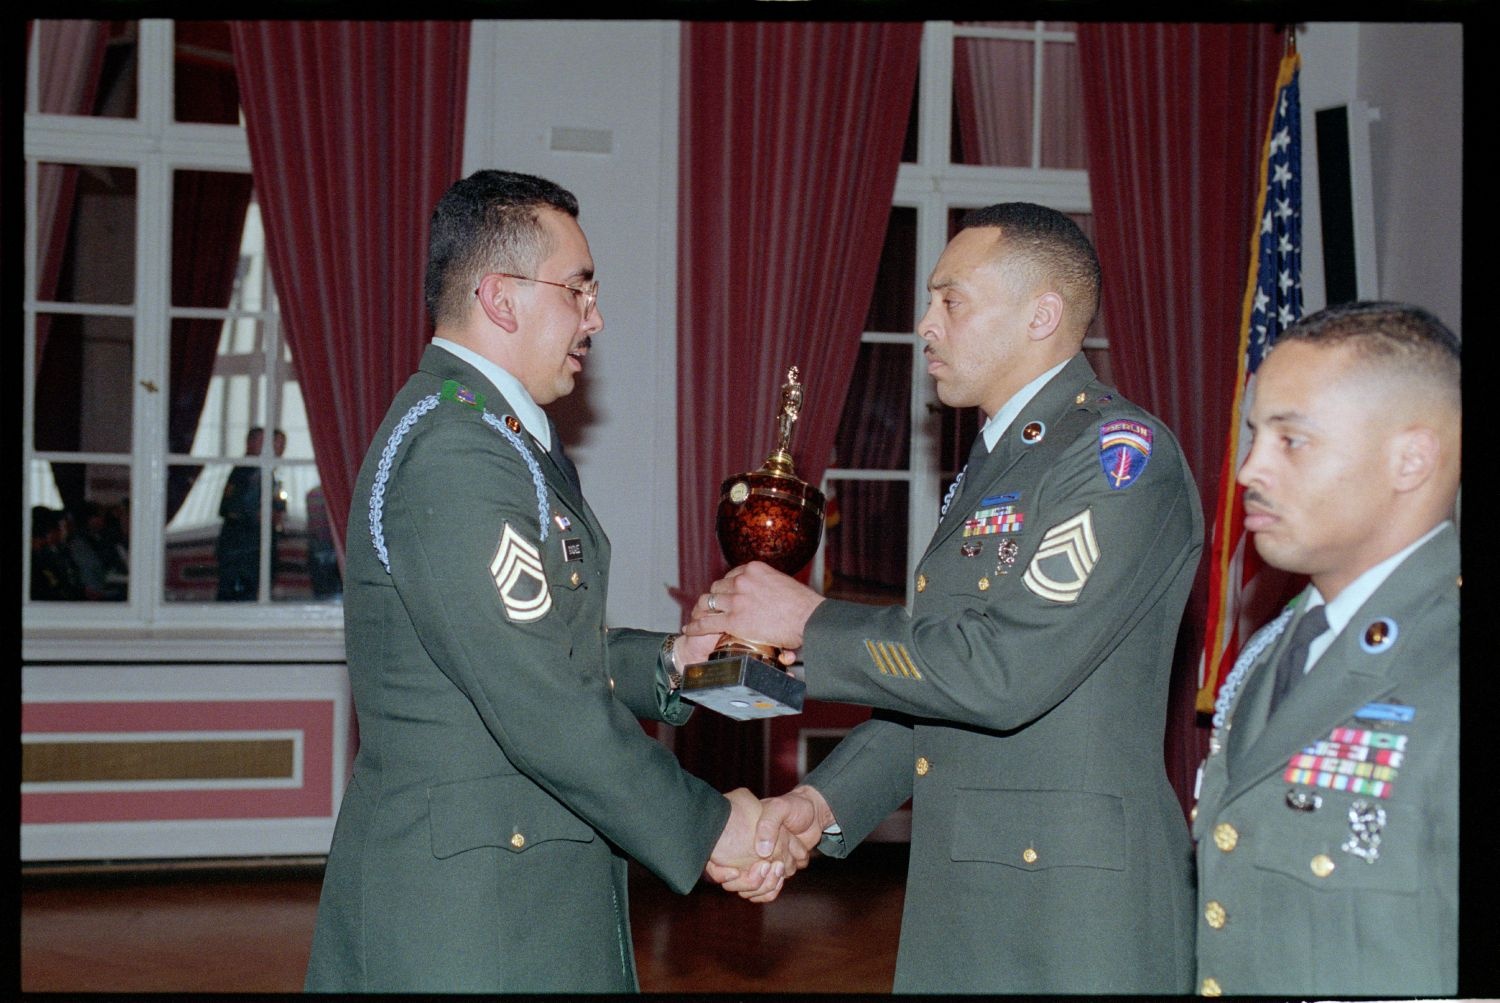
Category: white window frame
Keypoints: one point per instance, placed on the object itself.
(154, 146)
(933, 186)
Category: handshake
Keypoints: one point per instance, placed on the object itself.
(767, 841)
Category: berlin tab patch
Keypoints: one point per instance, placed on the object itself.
(1124, 448)
(517, 570)
(1064, 560)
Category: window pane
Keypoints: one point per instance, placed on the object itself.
(1062, 108)
(205, 89)
(85, 68)
(864, 554)
(909, 144)
(875, 429)
(85, 233)
(210, 212)
(892, 309)
(84, 383)
(992, 94)
(306, 564)
(80, 523)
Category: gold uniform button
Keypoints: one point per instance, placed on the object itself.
(923, 766)
(1210, 987)
(1226, 837)
(611, 682)
(518, 841)
(984, 584)
(1322, 865)
(575, 578)
(921, 583)
(1029, 855)
(1193, 815)
(1215, 915)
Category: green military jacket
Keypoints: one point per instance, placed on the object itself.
(502, 774)
(1021, 705)
(1328, 835)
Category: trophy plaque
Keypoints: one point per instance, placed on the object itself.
(764, 515)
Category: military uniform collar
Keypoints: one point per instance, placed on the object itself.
(1002, 419)
(527, 410)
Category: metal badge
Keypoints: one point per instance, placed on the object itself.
(1033, 433)
(1379, 636)
(1009, 548)
(1300, 800)
(513, 423)
(970, 548)
(563, 522)
(1365, 822)
(572, 549)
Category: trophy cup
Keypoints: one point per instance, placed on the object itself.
(764, 515)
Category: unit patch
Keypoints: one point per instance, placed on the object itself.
(1124, 448)
(517, 570)
(1064, 560)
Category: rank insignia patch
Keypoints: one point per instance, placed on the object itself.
(518, 574)
(1124, 448)
(1065, 559)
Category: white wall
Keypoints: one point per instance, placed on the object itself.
(617, 79)
(1411, 77)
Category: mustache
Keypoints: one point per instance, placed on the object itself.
(1252, 495)
(586, 343)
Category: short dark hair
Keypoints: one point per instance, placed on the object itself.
(486, 222)
(1052, 248)
(1398, 336)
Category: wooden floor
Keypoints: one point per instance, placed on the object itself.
(248, 929)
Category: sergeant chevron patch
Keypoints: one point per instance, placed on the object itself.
(518, 574)
(1064, 560)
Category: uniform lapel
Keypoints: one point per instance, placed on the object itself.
(1047, 407)
(1346, 676)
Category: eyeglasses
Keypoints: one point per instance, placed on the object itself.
(586, 293)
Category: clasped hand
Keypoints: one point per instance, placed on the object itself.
(767, 841)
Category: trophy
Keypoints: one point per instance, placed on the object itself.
(764, 515)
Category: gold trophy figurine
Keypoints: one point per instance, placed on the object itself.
(764, 515)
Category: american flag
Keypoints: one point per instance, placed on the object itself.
(1243, 593)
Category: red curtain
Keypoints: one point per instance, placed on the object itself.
(69, 58)
(1175, 116)
(790, 140)
(356, 129)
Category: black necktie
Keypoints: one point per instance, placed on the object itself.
(977, 454)
(563, 463)
(1289, 668)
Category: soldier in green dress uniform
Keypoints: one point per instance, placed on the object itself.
(1021, 699)
(1327, 820)
(503, 777)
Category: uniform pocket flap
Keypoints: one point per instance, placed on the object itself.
(1376, 859)
(1036, 830)
(508, 811)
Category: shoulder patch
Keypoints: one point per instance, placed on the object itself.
(456, 391)
(1124, 448)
